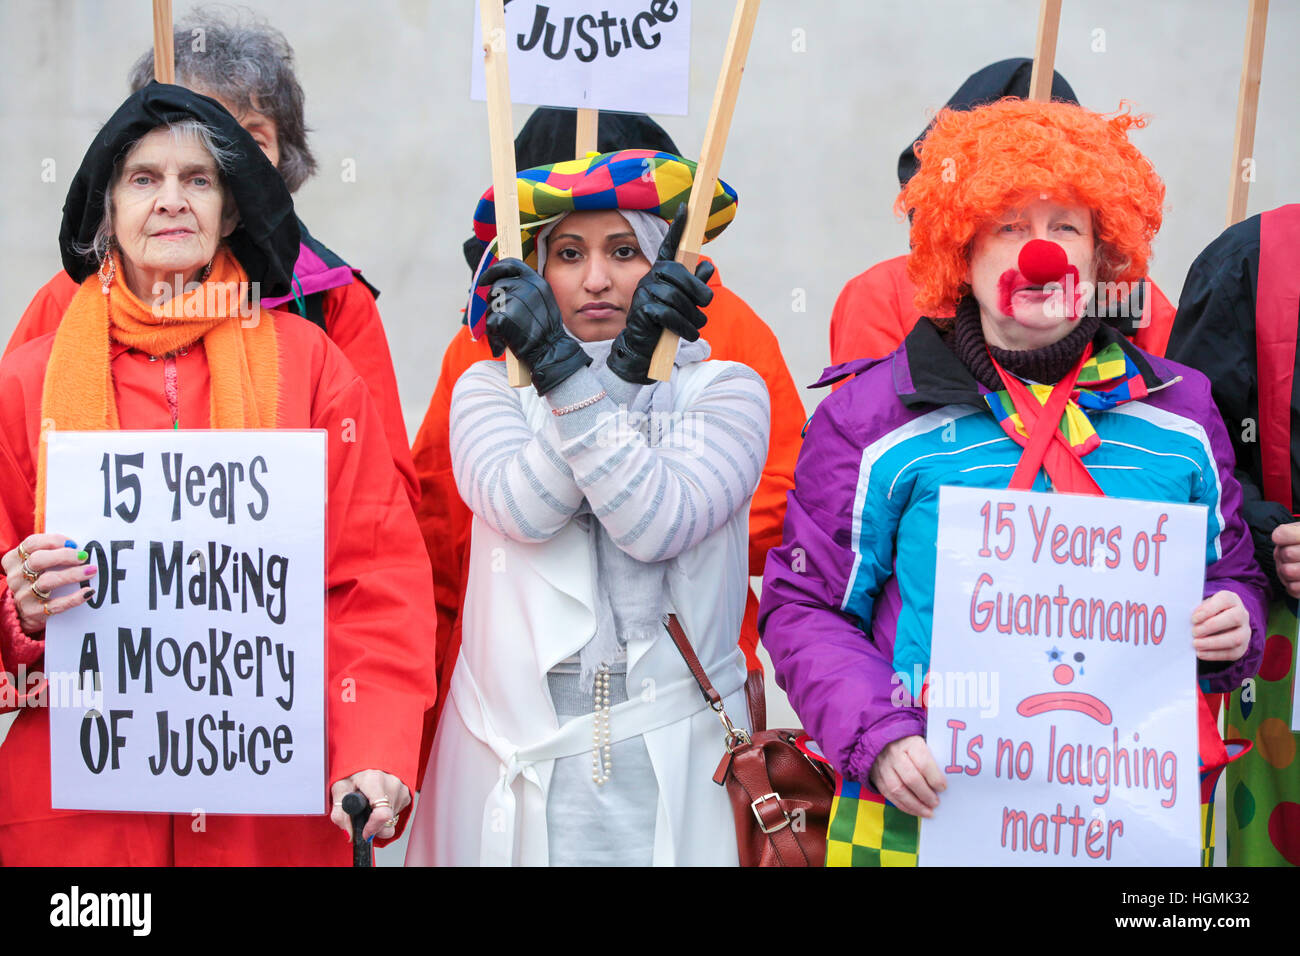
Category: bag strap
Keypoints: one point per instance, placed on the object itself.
(747, 765)
(756, 697)
(755, 690)
(736, 736)
(683, 643)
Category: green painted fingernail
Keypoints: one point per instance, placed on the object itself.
(83, 556)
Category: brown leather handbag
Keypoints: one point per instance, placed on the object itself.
(780, 792)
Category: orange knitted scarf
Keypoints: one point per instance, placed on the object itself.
(241, 351)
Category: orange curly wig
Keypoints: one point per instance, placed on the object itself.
(975, 164)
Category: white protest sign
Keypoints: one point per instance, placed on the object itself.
(206, 628)
(1062, 685)
(628, 55)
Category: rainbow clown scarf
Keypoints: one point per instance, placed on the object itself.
(653, 182)
(1107, 379)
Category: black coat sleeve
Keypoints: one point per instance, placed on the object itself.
(1214, 332)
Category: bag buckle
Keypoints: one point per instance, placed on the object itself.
(737, 737)
(759, 817)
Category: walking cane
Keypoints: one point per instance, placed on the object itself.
(357, 807)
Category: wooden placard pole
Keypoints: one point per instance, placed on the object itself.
(505, 193)
(1243, 143)
(706, 173)
(1049, 24)
(164, 49)
(585, 142)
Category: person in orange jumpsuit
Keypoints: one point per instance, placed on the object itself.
(193, 194)
(268, 102)
(876, 309)
(735, 333)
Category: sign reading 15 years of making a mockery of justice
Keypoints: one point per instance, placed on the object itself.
(198, 664)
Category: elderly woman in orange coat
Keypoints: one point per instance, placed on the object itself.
(247, 66)
(172, 184)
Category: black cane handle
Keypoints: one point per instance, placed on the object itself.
(357, 807)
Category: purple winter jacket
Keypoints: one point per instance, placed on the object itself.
(848, 595)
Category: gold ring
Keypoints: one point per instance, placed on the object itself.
(391, 823)
(28, 573)
(46, 606)
(40, 592)
(23, 553)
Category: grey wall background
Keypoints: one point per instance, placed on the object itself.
(812, 153)
(833, 91)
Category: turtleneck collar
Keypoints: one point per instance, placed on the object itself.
(1045, 365)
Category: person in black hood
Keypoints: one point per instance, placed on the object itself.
(1237, 322)
(875, 310)
(1003, 78)
(173, 224)
(265, 239)
(247, 66)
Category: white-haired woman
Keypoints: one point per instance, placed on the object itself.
(173, 185)
(247, 66)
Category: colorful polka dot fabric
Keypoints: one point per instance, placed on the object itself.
(1263, 787)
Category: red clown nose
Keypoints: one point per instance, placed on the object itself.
(1043, 261)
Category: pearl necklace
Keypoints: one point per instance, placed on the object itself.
(601, 772)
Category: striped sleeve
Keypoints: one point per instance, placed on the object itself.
(656, 501)
(513, 479)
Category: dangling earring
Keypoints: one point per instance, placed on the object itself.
(106, 278)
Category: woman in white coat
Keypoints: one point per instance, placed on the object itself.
(575, 734)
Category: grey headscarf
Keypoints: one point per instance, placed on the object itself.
(629, 593)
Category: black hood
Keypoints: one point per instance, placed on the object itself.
(550, 135)
(1004, 78)
(266, 240)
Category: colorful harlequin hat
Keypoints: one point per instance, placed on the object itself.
(654, 182)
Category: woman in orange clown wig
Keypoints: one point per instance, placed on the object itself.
(1022, 215)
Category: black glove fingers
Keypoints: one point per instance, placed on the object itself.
(506, 268)
(668, 248)
(531, 303)
(666, 317)
(497, 341)
(704, 272)
(677, 275)
(669, 295)
(516, 276)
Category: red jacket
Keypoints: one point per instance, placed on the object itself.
(351, 321)
(875, 311)
(378, 596)
(736, 334)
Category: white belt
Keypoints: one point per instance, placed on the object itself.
(632, 718)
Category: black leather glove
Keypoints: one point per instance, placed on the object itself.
(523, 317)
(667, 297)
